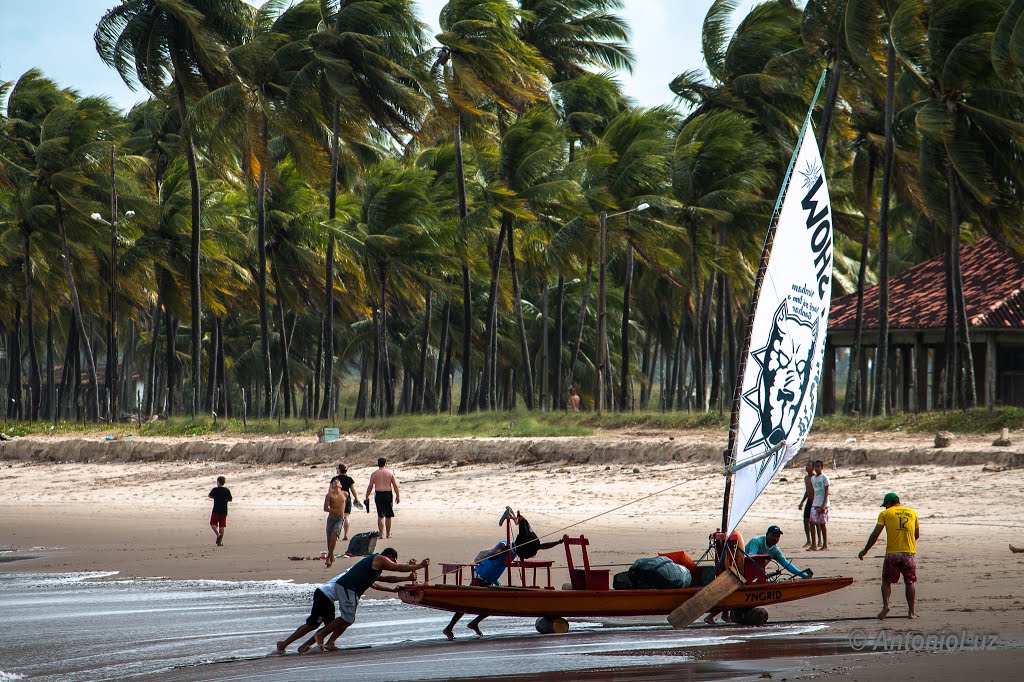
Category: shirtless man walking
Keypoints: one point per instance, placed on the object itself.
(810, 531)
(383, 481)
(334, 505)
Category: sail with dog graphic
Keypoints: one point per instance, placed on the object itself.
(777, 398)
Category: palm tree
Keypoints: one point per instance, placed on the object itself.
(248, 112)
(364, 56)
(149, 42)
(574, 35)
(482, 60)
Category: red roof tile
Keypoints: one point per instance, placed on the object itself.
(993, 292)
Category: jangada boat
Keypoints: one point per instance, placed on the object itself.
(773, 407)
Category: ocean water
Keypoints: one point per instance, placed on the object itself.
(95, 626)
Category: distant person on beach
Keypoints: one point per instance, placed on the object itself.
(491, 564)
(346, 589)
(819, 508)
(383, 482)
(219, 517)
(348, 485)
(335, 503)
(806, 502)
(574, 400)
(902, 531)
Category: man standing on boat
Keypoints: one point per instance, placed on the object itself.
(902, 531)
(383, 482)
(819, 507)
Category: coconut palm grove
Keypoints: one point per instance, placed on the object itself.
(322, 208)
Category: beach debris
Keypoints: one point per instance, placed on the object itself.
(635, 470)
(783, 479)
(943, 439)
(872, 476)
(4, 436)
(851, 440)
(1003, 440)
(992, 468)
(766, 675)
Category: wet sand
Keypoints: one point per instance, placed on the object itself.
(150, 520)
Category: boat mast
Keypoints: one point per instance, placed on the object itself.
(729, 455)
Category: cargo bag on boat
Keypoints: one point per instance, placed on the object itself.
(658, 573)
(362, 544)
(621, 581)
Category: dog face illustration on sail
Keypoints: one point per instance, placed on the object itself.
(785, 367)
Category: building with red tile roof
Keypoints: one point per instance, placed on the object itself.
(993, 281)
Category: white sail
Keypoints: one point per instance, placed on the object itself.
(787, 343)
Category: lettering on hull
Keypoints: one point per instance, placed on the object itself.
(762, 596)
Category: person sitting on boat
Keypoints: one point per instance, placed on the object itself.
(769, 544)
(491, 564)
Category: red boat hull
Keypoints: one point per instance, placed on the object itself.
(534, 603)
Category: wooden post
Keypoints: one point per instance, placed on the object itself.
(828, 384)
(990, 370)
(921, 374)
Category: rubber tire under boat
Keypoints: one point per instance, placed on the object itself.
(750, 616)
(552, 626)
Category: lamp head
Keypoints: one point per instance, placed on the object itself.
(96, 216)
(129, 214)
(643, 207)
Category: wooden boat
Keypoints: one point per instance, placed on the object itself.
(542, 603)
(774, 404)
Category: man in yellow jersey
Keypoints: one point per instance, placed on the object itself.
(902, 531)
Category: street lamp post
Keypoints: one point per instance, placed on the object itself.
(602, 335)
(112, 379)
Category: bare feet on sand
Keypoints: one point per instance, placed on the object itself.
(812, 548)
(329, 561)
(280, 649)
(823, 548)
(449, 634)
(913, 616)
(883, 613)
(220, 539)
(319, 641)
(806, 545)
(476, 629)
(330, 647)
(304, 648)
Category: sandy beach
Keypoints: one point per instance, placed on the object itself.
(62, 513)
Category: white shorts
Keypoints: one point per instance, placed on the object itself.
(348, 602)
(819, 515)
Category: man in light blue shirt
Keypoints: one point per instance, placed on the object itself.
(769, 544)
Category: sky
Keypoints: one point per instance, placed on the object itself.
(56, 36)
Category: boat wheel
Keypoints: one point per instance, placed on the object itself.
(750, 616)
(552, 626)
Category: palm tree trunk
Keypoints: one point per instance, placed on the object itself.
(51, 388)
(364, 368)
(467, 299)
(716, 395)
(831, 97)
(517, 302)
(580, 321)
(881, 404)
(490, 333)
(151, 383)
(70, 351)
(261, 279)
(193, 177)
(421, 374)
(969, 391)
(170, 358)
(332, 210)
(76, 304)
(211, 368)
(440, 370)
(559, 400)
(317, 366)
(854, 381)
(14, 404)
(545, 395)
(624, 381)
(286, 393)
(34, 388)
(695, 303)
